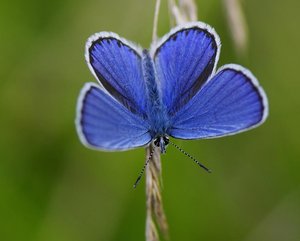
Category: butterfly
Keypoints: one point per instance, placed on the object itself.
(171, 90)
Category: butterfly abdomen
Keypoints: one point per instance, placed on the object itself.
(157, 113)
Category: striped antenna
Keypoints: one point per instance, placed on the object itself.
(143, 169)
(194, 159)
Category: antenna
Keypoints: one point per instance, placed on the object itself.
(143, 169)
(194, 159)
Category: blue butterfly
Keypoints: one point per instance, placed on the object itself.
(172, 90)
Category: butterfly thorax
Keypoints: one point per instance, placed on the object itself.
(157, 114)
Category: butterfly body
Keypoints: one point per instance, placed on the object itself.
(171, 90)
(157, 114)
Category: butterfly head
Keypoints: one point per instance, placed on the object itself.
(162, 142)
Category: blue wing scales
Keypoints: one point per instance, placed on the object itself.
(184, 60)
(103, 123)
(116, 63)
(231, 102)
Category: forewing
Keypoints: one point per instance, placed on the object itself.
(116, 63)
(231, 102)
(103, 123)
(184, 60)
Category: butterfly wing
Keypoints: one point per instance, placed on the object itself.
(184, 59)
(230, 102)
(116, 63)
(112, 116)
(104, 123)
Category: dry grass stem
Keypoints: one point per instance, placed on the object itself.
(184, 11)
(155, 21)
(237, 24)
(155, 211)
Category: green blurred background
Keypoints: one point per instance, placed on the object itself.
(54, 189)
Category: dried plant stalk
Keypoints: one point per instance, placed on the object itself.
(184, 11)
(155, 211)
(237, 24)
(155, 21)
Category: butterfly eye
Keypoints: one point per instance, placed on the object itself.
(157, 142)
(166, 140)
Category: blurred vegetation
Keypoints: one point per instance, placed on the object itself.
(54, 189)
